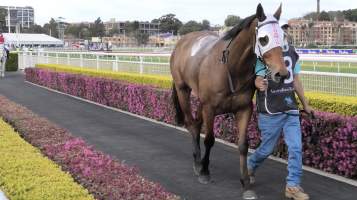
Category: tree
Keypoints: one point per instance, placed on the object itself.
(3, 13)
(324, 16)
(73, 30)
(51, 28)
(231, 20)
(169, 23)
(206, 25)
(131, 27)
(350, 14)
(190, 26)
(336, 15)
(85, 33)
(98, 29)
(310, 16)
(155, 21)
(114, 31)
(141, 38)
(34, 29)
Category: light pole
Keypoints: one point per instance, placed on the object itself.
(356, 36)
(8, 17)
(60, 27)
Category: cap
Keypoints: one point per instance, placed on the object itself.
(283, 22)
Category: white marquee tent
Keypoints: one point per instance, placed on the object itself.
(20, 39)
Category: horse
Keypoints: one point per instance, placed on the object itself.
(220, 72)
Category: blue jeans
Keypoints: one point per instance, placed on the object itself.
(271, 127)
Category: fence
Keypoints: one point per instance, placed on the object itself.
(327, 82)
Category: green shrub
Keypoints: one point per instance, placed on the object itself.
(154, 80)
(344, 105)
(12, 62)
(26, 174)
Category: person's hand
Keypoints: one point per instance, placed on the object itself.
(261, 84)
(308, 110)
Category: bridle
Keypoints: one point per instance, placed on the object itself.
(225, 55)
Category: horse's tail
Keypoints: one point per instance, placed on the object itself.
(179, 117)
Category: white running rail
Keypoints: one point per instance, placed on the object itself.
(157, 63)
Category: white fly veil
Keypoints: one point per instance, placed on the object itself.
(268, 36)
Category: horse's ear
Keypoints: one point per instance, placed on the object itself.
(260, 13)
(278, 13)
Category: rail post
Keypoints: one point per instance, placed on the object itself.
(141, 64)
(338, 67)
(81, 60)
(116, 65)
(97, 58)
(68, 59)
(31, 59)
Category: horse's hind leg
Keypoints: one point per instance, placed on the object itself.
(196, 130)
(193, 126)
(243, 118)
(208, 118)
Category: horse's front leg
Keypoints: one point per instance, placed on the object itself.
(208, 118)
(243, 118)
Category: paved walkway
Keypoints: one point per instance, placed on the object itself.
(162, 154)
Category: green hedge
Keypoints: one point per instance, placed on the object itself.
(154, 80)
(25, 174)
(323, 102)
(12, 62)
(344, 105)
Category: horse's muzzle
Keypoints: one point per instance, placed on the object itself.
(277, 77)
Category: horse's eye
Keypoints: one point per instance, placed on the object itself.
(264, 40)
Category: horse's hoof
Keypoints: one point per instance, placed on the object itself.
(197, 169)
(249, 195)
(204, 179)
(251, 180)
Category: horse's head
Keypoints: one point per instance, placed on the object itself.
(269, 42)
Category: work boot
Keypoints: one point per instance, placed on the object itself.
(296, 193)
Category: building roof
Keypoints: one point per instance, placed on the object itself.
(30, 39)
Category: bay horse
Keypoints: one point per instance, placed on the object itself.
(220, 72)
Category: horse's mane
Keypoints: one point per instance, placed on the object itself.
(239, 27)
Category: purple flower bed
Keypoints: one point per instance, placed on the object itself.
(330, 141)
(103, 176)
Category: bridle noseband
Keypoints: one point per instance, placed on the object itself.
(225, 55)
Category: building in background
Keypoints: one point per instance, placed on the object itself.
(19, 16)
(305, 33)
(144, 27)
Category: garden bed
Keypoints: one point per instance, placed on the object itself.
(103, 176)
(344, 105)
(329, 142)
(26, 174)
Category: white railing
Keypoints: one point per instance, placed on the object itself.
(333, 83)
(153, 63)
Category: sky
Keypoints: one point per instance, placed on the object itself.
(145, 10)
